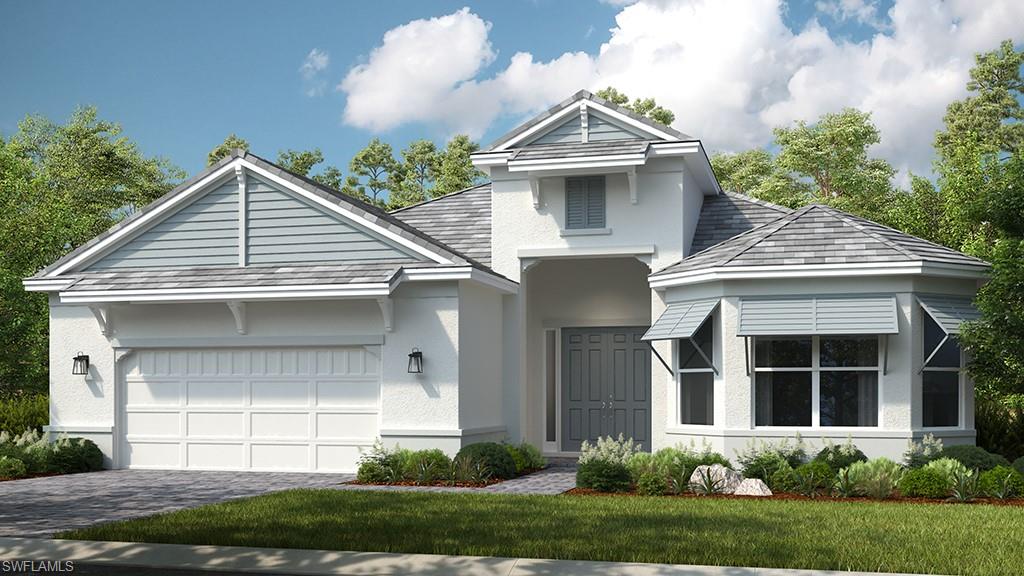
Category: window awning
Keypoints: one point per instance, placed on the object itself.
(809, 315)
(681, 320)
(949, 312)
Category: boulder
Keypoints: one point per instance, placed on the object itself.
(752, 487)
(725, 479)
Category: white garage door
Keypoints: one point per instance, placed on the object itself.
(261, 409)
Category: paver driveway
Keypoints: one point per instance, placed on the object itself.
(42, 506)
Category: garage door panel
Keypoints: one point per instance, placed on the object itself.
(293, 393)
(280, 456)
(154, 423)
(335, 393)
(216, 424)
(215, 455)
(154, 454)
(259, 408)
(280, 425)
(332, 426)
(215, 393)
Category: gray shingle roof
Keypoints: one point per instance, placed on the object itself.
(585, 95)
(461, 220)
(820, 235)
(580, 149)
(729, 214)
(356, 272)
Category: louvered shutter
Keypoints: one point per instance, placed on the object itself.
(595, 202)
(575, 203)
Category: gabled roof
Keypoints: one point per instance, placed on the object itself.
(729, 214)
(462, 220)
(819, 236)
(575, 98)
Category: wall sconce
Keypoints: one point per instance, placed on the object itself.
(416, 361)
(81, 365)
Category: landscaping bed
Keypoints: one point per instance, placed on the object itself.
(476, 465)
(767, 532)
(32, 455)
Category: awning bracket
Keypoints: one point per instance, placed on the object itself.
(934, 352)
(660, 359)
(702, 354)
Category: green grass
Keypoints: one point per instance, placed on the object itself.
(937, 538)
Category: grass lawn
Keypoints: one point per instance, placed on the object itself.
(896, 537)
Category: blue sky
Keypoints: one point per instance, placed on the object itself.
(180, 76)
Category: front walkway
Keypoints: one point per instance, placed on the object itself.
(553, 480)
(290, 561)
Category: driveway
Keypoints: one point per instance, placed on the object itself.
(42, 506)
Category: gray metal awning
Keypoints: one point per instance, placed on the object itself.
(808, 315)
(681, 320)
(949, 312)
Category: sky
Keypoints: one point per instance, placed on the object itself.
(180, 76)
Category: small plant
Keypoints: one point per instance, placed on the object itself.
(763, 459)
(844, 485)
(965, 485)
(494, 456)
(12, 468)
(603, 476)
(644, 463)
(707, 484)
(380, 465)
(839, 456)
(782, 479)
(920, 453)
(24, 412)
(974, 457)
(468, 470)
(875, 478)
(679, 480)
(426, 467)
(1001, 482)
(609, 449)
(813, 479)
(927, 482)
(948, 468)
(534, 459)
(651, 484)
(517, 457)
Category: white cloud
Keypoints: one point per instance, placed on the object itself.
(863, 11)
(730, 74)
(315, 62)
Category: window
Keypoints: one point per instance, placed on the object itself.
(584, 203)
(816, 381)
(940, 378)
(696, 376)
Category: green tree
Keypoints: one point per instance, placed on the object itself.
(60, 185)
(373, 170)
(420, 165)
(300, 161)
(755, 173)
(224, 149)
(455, 170)
(643, 106)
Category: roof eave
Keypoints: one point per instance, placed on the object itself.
(661, 280)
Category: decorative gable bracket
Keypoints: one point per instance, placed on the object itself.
(241, 320)
(103, 318)
(387, 310)
(631, 177)
(535, 190)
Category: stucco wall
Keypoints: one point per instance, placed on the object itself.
(480, 357)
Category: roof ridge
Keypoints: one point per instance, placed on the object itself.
(847, 218)
(445, 196)
(781, 221)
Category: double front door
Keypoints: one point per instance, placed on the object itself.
(606, 385)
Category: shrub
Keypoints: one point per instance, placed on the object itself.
(645, 463)
(782, 479)
(493, 456)
(948, 468)
(373, 472)
(965, 485)
(609, 449)
(924, 483)
(381, 465)
(813, 478)
(603, 476)
(534, 459)
(1001, 482)
(40, 456)
(467, 469)
(875, 478)
(71, 455)
(1018, 464)
(920, 453)
(973, 457)
(427, 466)
(840, 456)
(1000, 426)
(651, 484)
(517, 457)
(845, 485)
(763, 459)
(12, 468)
(24, 412)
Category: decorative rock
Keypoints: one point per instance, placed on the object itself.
(752, 487)
(725, 479)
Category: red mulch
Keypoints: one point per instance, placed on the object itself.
(789, 496)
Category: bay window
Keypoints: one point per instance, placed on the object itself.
(825, 381)
(696, 376)
(940, 377)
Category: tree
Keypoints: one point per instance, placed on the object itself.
(755, 173)
(420, 163)
(224, 149)
(300, 162)
(455, 170)
(642, 106)
(60, 185)
(376, 163)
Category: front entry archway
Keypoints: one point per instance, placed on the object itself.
(606, 385)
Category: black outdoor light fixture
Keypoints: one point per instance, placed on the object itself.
(416, 361)
(81, 365)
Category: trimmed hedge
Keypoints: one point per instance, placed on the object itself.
(603, 476)
(494, 456)
(1002, 482)
(923, 483)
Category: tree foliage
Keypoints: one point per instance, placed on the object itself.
(643, 106)
(455, 171)
(223, 150)
(756, 174)
(373, 169)
(60, 185)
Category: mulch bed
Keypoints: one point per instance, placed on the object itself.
(790, 496)
(444, 483)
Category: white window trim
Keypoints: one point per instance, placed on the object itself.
(961, 393)
(816, 369)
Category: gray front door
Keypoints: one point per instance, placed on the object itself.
(606, 385)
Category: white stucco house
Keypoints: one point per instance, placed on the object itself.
(601, 282)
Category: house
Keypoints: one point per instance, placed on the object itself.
(601, 283)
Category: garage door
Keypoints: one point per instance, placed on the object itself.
(259, 409)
